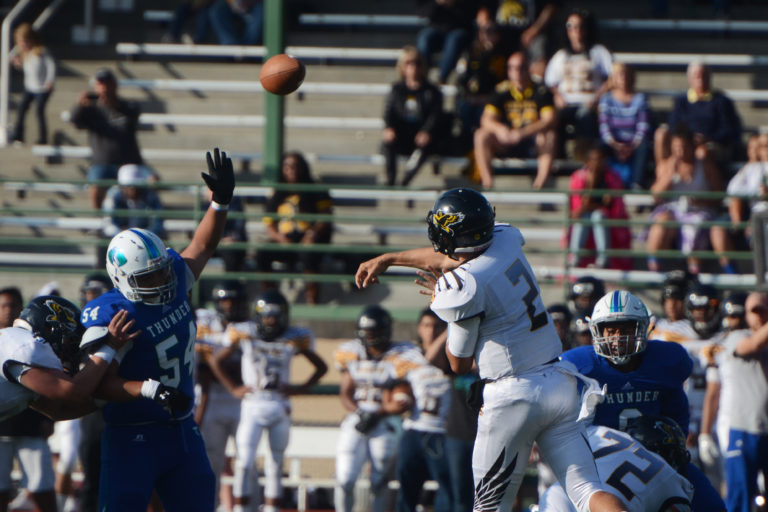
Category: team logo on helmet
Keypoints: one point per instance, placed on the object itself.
(444, 221)
(117, 257)
(668, 429)
(60, 315)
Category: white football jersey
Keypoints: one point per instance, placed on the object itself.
(639, 477)
(516, 332)
(432, 393)
(27, 351)
(211, 336)
(266, 365)
(372, 375)
(695, 386)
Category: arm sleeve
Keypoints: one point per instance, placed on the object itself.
(433, 108)
(462, 336)
(50, 69)
(554, 72)
(728, 122)
(603, 119)
(390, 108)
(642, 123)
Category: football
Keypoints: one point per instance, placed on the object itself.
(282, 74)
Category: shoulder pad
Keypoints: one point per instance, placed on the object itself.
(581, 357)
(709, 352)
(238, 332)
(455, 296)
(404, 357)
(672, 355)
(93, 337)
(347, 353)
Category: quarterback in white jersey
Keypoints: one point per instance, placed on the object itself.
(642, 478)
(267, 346)
(491, 301)
(369, 365)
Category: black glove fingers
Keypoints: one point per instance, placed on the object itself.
(209, 161)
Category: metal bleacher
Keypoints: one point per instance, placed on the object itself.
(335, 119)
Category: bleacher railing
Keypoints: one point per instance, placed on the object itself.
(547, 233)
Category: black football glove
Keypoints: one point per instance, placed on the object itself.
(367, 422)
(221, 177)
(171, 399)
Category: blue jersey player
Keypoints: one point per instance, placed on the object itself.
(156, 445)
(642, 377)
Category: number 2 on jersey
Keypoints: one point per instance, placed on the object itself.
(531, 299)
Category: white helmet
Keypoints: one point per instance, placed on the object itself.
(615, 307)
(132, 256)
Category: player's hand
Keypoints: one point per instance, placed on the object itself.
(367, 421)
(240, 391)
(427, 281)
(221, 176)
(121, 330)
(709, 452)
(368, 271)
(171, 399)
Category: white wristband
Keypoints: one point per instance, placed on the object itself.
(149, 388)
(106, 353)
(219, 207)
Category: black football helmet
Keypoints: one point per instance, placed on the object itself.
(733, 304)
(273, 305)
(675, 285)
(585, 293)
(95, 283)
(57, 321)
(461, 221)
(374, 327)
(233, 290)
(663, 436)
(560, 312)
(706, 297)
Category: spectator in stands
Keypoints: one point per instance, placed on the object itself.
(578, 77)
(132, 193)
(687, 169)
(186, 8)
(448, 31)
(592, 205)
(412, 115)
(39, 76)
(283, 227)
(483, 67)
(708, 114)
(111, 123)
(748, 192)
(224, 13)
(517, 122)
(624, 119)
(527, 26)
(234, 232)
(24, 437)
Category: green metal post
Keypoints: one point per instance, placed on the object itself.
(273, 104)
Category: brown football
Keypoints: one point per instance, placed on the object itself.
(282, 74)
